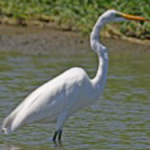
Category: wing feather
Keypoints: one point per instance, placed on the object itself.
(49, 99)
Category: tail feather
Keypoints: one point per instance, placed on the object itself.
(8, 122)
(7, 126)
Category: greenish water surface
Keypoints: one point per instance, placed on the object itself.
(119, 120)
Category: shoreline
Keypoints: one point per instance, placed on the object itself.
(34, 40)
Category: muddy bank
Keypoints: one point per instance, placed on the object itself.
(44, 41)
(38, 41)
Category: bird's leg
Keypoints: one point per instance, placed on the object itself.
(54, 137)
(58, 134)
(59, 125)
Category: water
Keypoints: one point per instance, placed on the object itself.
(119, 120)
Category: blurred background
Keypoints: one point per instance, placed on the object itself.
(79, 15)
(39, 39)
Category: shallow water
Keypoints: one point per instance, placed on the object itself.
(119, 120)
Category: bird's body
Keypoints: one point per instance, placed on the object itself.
(59, 98)
(62, 96)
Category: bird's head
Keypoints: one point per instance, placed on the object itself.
(106, 17)
(116, 16)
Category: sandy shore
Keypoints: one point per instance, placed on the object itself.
(39, 41)
(33, 40)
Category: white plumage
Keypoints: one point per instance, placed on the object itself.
(53, 99)
(59, 98)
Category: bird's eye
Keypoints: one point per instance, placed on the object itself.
(118, 15)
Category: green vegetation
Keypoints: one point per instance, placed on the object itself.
(78, 15)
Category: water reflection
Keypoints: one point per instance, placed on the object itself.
(119, 120)
(45, 146)
(7, 146)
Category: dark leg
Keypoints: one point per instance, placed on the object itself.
(54, 137)
(59, 135)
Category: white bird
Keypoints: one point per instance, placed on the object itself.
(61, 97)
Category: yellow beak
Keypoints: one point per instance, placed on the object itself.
(132, 17)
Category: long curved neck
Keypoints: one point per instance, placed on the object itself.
(100, 78)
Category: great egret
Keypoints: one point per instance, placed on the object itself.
(59, 98)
